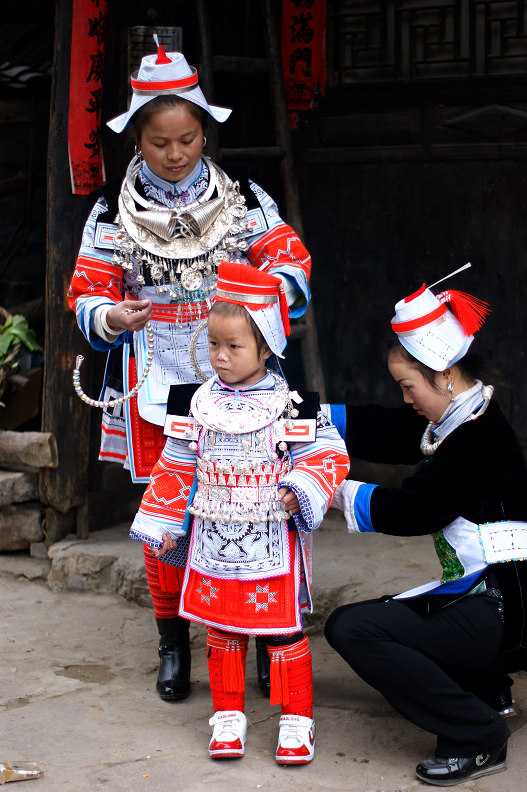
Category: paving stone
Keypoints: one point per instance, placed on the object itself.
(21, 566)
(39, 550)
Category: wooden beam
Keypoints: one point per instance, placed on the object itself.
(27, 450)
(65, 488)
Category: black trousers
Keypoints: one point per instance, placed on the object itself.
(426, 658)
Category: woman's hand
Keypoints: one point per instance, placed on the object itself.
(169, 543)
(129, 315)
(289, 500)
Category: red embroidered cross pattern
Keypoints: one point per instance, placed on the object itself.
(262, 598)
(207, 591)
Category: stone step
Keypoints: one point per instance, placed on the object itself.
(107, 562)
(346, 567)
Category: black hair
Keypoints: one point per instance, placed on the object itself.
(233, 309)
(470, 367)
(145, 113)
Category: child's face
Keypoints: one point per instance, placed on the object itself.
(233, 352)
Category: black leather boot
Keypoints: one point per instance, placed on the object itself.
(263, 667)
(173, 680)
(448, 771)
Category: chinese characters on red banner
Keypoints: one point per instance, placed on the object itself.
(85, 96)
(303, 52)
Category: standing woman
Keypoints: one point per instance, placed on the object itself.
(440, 653)
(150, 254)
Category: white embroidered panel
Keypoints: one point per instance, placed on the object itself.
(504, 541)
(171, 365)
(463, 536)
(248, 551)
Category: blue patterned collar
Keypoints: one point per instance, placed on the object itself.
(267, 382)
(172, 186)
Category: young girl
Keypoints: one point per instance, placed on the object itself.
(267, 464)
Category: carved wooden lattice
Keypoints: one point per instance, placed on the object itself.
(416, 39)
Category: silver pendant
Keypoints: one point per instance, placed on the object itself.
(191, 279)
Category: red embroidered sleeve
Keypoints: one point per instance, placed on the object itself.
(94, 277)
(280, 246)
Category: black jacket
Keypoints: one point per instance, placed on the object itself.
(477, 472)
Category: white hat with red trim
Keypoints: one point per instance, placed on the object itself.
(438, 329)
(263, 297)
(166, 74)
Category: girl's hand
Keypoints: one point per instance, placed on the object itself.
(129, 315)
(169, 543)
(289, 500)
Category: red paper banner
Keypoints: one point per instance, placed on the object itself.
(303, 52)
(85, 96)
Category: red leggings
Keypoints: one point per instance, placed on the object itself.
(165, 582)
(291, 673)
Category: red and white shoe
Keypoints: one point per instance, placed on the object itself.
(296, 740)
(228, 735)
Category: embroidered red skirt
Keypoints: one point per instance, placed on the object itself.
(268, 606)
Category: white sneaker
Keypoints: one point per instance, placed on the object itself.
(296, 740)
(228, 735)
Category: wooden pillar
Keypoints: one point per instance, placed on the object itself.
(65, 489)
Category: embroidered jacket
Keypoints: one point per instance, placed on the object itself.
(97, 281)
(469, 495)
(232, 477)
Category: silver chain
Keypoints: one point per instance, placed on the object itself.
(103, 405)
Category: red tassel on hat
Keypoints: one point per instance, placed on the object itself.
(162, 57)
(470, 311)
(284, 311)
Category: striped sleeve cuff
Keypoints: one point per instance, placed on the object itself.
(362, 508)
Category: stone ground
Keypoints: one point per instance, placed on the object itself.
(78, 668)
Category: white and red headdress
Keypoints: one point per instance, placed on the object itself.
(438, 329)
(165, 74)
(263, 297)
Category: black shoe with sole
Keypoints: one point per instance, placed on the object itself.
(173, 680)
(448, 771)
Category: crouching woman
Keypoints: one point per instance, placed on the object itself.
(440, 653)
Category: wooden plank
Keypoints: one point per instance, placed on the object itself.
(63, 414)
(236, 64)
(28, 450)
(206, 73)
(415, 153)
(12, 184)
(254, 152)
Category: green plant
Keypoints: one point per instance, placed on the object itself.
(14, 333)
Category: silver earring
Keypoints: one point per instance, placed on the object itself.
(450, 389)
(138, 153)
